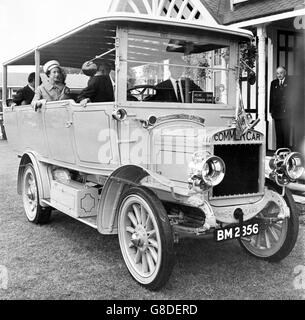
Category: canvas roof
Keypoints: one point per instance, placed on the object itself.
(98, 36)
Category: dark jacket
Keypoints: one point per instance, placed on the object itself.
(24, 96)
(166, 91)
(279, 99)
(99, 89)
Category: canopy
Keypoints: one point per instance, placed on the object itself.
(98, 36)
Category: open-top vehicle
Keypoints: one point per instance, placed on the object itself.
(146, 168)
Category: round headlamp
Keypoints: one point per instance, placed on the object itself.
(213, 171)
(294, 165)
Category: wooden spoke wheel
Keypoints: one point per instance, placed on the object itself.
(145, 237)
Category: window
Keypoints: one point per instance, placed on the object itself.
(175, 70)
(286, 51)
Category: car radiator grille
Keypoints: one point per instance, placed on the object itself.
(242, 170)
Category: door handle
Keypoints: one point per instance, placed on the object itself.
(68, 124)
(65, 104)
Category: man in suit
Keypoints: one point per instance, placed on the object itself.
(279, 107)
(100, 86)
(25, 95)
(176, 88)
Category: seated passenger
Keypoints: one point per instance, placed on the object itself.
(25, 95)
(174, 88)
(100, 86)
(54, 89)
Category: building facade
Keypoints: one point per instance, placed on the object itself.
(278, 26)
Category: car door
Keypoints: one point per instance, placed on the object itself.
(58, 121)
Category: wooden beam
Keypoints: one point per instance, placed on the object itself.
(81, 47)
(262, 36)
(182, 8)
(133, 6)
(88, 35)
(170, 9)
(73, 52)
(160, 8)
(148, 7)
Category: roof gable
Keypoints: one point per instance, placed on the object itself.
(170, 9)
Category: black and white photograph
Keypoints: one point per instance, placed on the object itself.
(152, 150)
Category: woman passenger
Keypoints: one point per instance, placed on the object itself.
(52, 90)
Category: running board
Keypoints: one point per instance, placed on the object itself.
(89, 221)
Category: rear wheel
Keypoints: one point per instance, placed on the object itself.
(30, 196)
(277, 237)
(146, 238)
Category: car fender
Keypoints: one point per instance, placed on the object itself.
(41, 170)
(117, 183)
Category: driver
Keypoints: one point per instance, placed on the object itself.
(174, 89)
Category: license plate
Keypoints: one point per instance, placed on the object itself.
(236, 232)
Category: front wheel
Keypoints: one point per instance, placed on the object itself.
(277, 237)
(30, 196)
(145, 238)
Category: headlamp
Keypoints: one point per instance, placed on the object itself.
(286, 166)
(213, 171)
(206, 170)
(294, 166)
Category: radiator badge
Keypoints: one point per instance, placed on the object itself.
(230, 135)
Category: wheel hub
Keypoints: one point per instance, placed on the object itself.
(31, 195)
(140, 238)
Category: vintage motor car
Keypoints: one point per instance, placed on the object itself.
(173, 156)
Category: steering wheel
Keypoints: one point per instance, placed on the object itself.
(144, 92)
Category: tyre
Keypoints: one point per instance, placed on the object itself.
(35, 213)
(276, 238)
(145, 237)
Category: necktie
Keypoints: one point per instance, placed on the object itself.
(178, 92)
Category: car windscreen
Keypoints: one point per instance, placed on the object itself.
(167, 69)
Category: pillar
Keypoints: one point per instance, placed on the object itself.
(37, 71)
(4, 85)
(262, 86)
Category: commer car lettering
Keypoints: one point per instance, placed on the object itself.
(230, 135)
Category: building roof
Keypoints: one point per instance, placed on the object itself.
(251, 9)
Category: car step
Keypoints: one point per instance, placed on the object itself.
(89, 221)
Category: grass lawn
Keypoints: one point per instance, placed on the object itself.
(68, 260)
